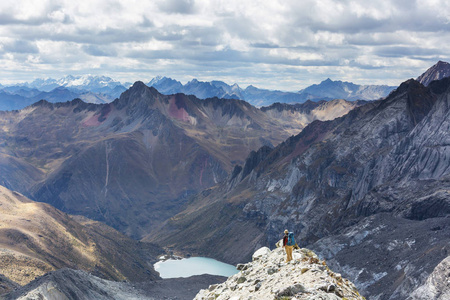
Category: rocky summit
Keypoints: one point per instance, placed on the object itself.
(268, 276)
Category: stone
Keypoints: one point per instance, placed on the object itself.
(303, 270)
(291, 290)
(272, 271)
(241, 280)
(261, 252)
(257, 286)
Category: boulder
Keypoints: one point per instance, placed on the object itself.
(261, 252)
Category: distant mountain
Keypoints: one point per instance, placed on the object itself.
(85, 82)
(197, 88)
(329, 89)
(439, 71)
(91, 89)
(368, 192)
(326, 90)
(295, 116)
(36, 238)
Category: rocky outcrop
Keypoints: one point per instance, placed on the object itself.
(268, 276)
(437, 285)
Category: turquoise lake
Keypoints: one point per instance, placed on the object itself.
(187, 267)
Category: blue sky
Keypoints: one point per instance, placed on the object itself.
(284, 45)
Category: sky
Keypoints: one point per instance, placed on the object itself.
(284, 45)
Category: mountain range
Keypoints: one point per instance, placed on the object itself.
(367, 191)
(326, 90)
(363, 184)
(133, 163)
(91, 89)
(101, 89)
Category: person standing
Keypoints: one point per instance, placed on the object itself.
(288, 244)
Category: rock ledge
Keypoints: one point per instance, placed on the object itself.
(268, 276)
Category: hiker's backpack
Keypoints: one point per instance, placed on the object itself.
(291, 239)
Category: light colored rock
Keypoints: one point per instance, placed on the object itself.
(437, 285)
(269, 277)
(261, 252)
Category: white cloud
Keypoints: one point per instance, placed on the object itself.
(273, 44)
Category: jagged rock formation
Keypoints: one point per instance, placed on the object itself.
(268, 276)
(355, 189)
(437, 72)
(36, 238)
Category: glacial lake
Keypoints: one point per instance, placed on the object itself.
(187, 267)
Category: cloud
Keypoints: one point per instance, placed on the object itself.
(95, 50)
(295, 42)
(178, 6)
(20, 46)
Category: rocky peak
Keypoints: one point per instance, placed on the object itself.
(439, 71)
(136, 93)
(268, 276)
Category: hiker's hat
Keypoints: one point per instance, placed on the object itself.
(286, 231)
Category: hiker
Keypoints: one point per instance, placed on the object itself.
(288, 244)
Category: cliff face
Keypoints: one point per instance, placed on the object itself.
(354, 189)
(268, 276)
